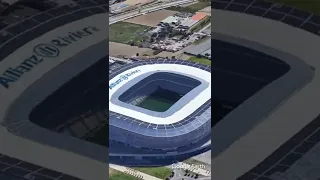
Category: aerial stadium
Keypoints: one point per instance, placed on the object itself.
(160, 108)
(50, 130)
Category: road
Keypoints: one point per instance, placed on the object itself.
(121, 17)
(204, 28)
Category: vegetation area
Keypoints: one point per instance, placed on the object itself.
(193, 7)
(127, 33)
(117, 175)
(312, 6)
(159, 172)
(201, 60)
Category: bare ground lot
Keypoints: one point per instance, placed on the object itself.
(178, 55)
(118, 49)
(151, 19)
(206, 10)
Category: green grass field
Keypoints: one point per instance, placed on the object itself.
(201, 60)
(159, 172)
(124, 32)
(154, 104)
(312, 6)
(116, 175)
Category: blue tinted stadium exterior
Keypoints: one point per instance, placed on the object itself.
(136, 133)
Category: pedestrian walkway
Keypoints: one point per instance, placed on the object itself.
(192, 168)
(133, 172)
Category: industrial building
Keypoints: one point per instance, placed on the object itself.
(203, 49)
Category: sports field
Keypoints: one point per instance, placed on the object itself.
(155, 104)
(127, 33)
(160, 100)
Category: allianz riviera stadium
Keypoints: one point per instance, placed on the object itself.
(160, 110)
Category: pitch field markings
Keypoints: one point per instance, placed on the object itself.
(160, 100)
(154, 104)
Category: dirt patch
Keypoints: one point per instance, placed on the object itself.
(151, 19)
(206, 10)
(178, 55)
(111, 171)
(118, 49)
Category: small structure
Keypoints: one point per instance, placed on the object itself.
(193, 21)
(170, 20)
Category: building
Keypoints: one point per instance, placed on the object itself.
(193, 21)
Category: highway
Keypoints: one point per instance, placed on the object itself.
(122, 17)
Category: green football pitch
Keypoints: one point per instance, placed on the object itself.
(156, 104)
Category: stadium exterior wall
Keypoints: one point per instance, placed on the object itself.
(138, 140)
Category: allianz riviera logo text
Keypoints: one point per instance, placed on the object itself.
(42, 52)
(122, 78)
